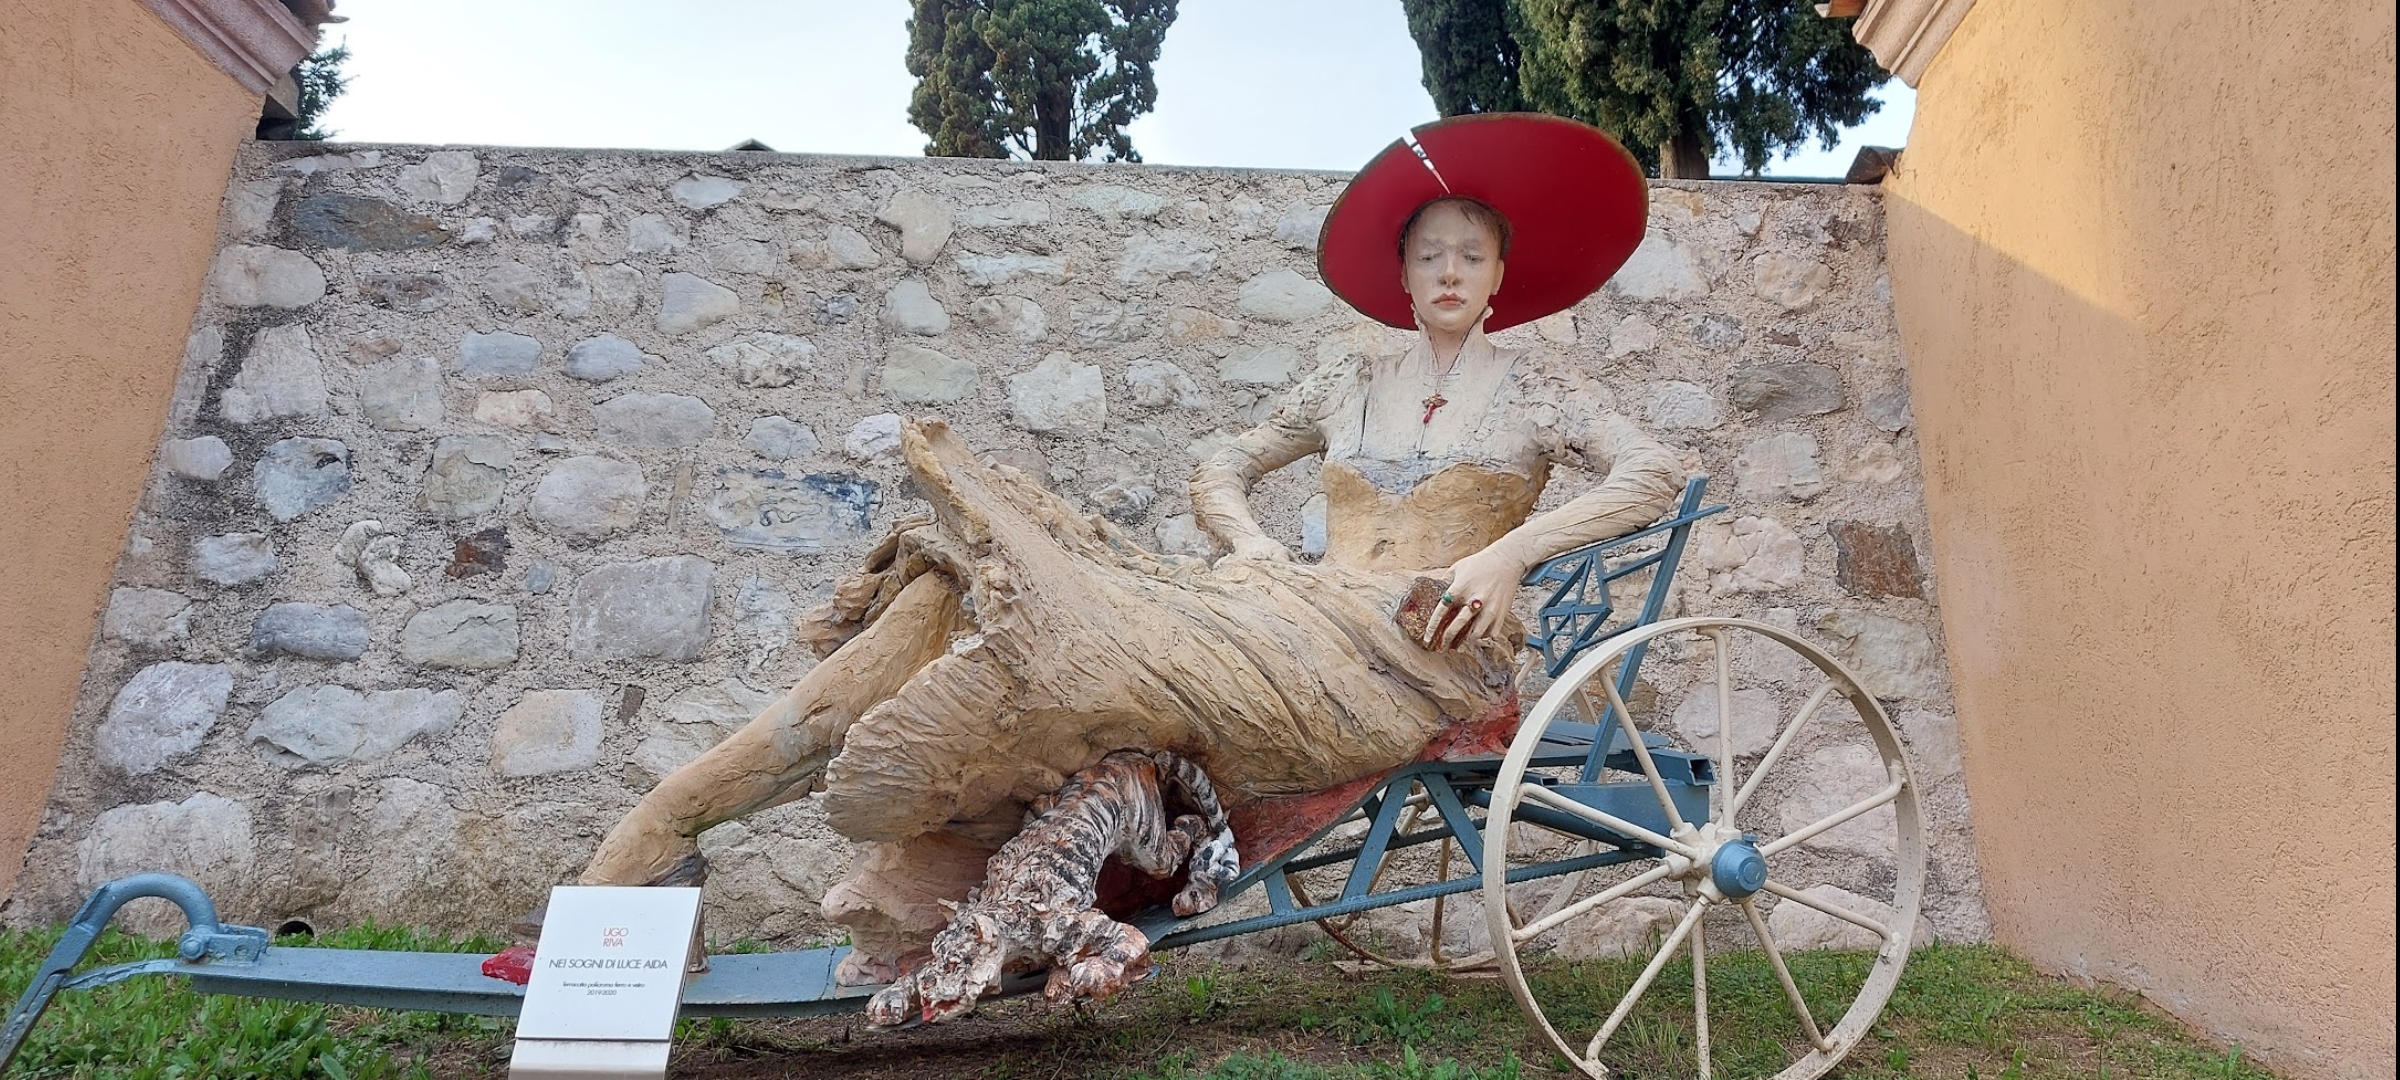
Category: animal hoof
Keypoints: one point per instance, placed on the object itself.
(889, 1008)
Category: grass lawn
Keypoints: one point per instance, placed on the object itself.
(1965, 1012)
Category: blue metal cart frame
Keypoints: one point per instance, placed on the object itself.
(218, 958)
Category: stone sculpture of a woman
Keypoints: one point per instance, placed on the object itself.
(984, 656)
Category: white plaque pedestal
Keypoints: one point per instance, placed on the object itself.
(607, 979)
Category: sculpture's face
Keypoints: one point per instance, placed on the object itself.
(1451, 266)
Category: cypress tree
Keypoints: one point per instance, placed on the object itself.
(1471, 54)
(1676, 81)
(1052, 80)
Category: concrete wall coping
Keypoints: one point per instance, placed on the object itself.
(254, 42)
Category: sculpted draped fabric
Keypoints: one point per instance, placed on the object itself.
(984, 656)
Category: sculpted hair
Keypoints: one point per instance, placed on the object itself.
(1476, 210)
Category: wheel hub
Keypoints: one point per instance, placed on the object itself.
(1729, 867)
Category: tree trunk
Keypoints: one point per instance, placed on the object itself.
(1684, 157)
(1053, 108)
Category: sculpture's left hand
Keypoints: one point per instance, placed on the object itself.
(1482, 586)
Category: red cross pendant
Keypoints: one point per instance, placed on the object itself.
(1432, 403)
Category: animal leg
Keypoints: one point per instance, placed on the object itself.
(896, 1004)
(1116, 956)
(1215, 863)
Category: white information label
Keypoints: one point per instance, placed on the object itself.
(610, 964)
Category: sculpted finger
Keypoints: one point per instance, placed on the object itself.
(1465, 631)
(1434, 625)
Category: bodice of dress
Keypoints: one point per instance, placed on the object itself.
(1413, 488)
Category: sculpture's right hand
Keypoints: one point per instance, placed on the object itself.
(1259, 547)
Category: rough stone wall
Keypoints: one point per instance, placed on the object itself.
(496, 478)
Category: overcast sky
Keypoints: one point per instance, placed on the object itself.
(1315, 84)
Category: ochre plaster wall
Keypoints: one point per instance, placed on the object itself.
(2141, 257)
(116, 139)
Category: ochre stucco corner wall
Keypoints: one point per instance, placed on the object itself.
(116, 139)
(2141, 257)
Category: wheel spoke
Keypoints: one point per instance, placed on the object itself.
(1561, 915)
(1800, 719)
(1604, 819)
(1719, 791)
(1700, 994)
(1641, 750)
(1791, 990)
(1666, 949)
(1844, 914)
(1881, 798)
(1565, 890)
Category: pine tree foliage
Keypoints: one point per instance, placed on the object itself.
(321, 81)
(1052, 80)
(1471, 53)
(1676, 81)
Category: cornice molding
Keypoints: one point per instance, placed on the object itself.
(1905, 35)
(252, 41)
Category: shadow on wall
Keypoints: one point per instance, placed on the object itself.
(2163, 527)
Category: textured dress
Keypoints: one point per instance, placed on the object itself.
(1280, 678)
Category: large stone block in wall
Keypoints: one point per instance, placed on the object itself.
(206, 837)
(234, 558)
(1660, 269)
(444, 178)
(766, 361)
(1876, 560)
(1283, 296)
(154, 617)
(467, 634)
(1059, 396)
(281, 377)
(357, 223)
(655, 609)
(246, 275)
(467, 476)
(402, 394)
(500, 353)
(688, 302)
(296, 476)
(1786, 391)
(311, 631)
(924, 222)
(1892, 659)
(813, 513)
(328, 725)
(162, 713)
(1783, 465)
(548, 731)
(665, 420)
(589, 497)
(920, 376)
(911, 309)
(603, 358)
(1153, 258)
(1002, 269)
(204, 458)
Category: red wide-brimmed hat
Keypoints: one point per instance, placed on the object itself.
(1575, 201)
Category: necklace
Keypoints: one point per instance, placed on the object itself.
(1433, 402)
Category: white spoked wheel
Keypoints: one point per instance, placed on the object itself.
(1786, 728)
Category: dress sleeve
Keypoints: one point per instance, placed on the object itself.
(1576, 426)
(1293, 430)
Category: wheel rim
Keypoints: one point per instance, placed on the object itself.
(1711, 861)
